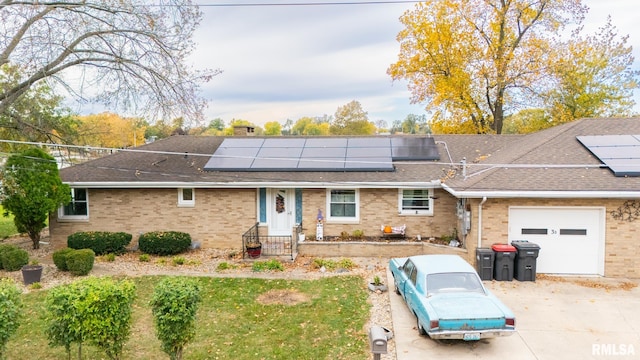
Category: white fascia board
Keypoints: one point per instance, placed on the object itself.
(252, 185)
(497, 194)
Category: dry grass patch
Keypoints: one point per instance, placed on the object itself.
(608, 284)
(283, 297)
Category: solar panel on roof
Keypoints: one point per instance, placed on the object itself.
(620, 153)
(414, 148)
(319, 154)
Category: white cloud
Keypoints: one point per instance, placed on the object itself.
(286, 62)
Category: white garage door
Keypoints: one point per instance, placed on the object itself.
(571, 239)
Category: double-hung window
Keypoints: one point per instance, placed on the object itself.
(78, 208)
(343, 205)
(415, 202)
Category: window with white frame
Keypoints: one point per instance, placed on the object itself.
(186, 197)
(415, 202)
(78, 208)
(343, 205)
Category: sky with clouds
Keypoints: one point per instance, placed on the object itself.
(285, 62)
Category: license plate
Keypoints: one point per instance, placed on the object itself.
(471, 337)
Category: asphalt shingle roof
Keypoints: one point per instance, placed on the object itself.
(549, 160)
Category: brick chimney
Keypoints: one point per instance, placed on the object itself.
(244, 130)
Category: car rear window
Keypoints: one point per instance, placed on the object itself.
(453, 282)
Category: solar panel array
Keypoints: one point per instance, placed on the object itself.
(620, 153)
(319, 154)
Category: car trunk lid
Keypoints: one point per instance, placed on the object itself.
(467, 311)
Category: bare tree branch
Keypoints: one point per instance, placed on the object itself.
(126, 54)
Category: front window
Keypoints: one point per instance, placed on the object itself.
(415, 202)
(186, 197)
(342, 205)
(78, 208)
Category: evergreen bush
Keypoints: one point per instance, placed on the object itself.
(60, 258)
(80, 262)
(13, 258)
(101, 242)
(164, 242)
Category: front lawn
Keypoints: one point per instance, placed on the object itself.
(239, 318)
(7, 227)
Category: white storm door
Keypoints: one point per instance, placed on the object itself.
(281, 205)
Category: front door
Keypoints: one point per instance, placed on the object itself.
(281, 205)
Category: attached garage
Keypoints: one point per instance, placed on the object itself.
(571, 239)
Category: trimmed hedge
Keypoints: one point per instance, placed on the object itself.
(60, 258)
(164, 242)
(13, 258)
(3, 248)
(101, 242)
(80, 262)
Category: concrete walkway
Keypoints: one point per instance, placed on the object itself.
(555, 319)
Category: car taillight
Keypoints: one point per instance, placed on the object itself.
(433, 324)
(510, 321)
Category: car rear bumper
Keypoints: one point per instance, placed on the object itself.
(470, 334)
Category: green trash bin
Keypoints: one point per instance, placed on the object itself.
(503, 266)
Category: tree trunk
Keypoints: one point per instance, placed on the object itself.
(35, 238)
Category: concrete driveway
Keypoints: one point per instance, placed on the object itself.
(555, 319)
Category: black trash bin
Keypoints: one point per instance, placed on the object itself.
(485, 258)
(503, 266)
(525, 263)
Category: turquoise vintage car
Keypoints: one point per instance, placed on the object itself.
(448, 298)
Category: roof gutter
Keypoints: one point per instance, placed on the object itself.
(249, 185)
(546, 194)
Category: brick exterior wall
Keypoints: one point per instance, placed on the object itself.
(218, 219)
(622, 254)
(221, 216)
(380, 207)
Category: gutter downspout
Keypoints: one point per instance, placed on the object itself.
(484, 199)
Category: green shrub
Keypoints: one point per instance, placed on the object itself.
(13, 258)
(60, 258)
(164, 242)
(174, 305)
(178, 260)
(3, 248)
(101, 242)
(331, 265)
(80, 262)
(144, 258)
(346, 263)
(225, 266)
(272, 265)
(10, 312)
(110, 257)
(97, 310)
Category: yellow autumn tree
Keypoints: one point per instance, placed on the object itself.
(475, 60)
(351, 119)
(110, 130)
(594, 77)
(272, 128)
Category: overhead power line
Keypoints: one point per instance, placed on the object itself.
(435, 163)
(313, 3)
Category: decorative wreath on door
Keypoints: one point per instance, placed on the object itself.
(279, 204)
